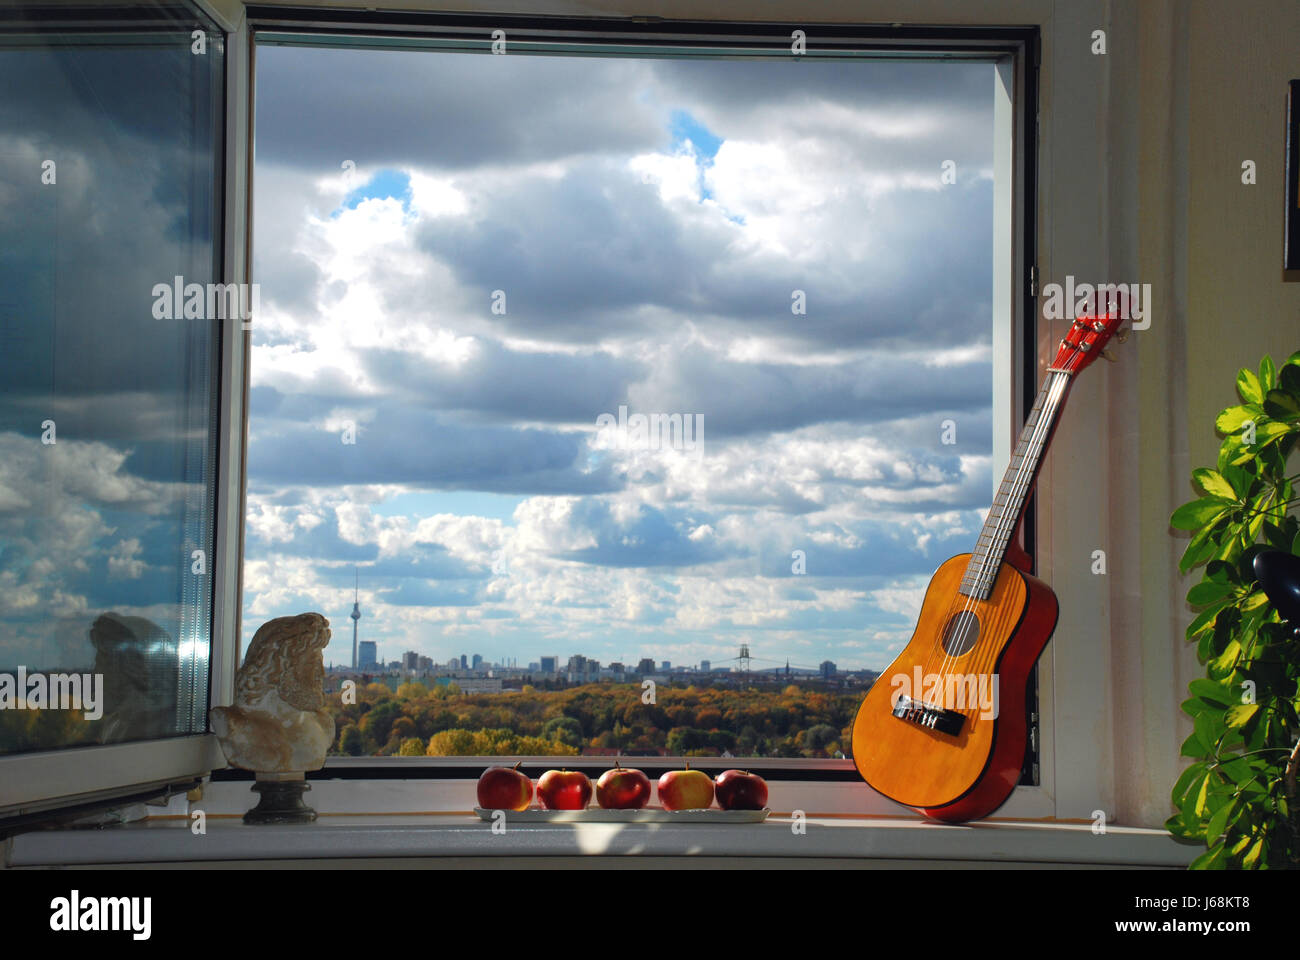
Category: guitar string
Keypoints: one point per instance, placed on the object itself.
(982, 564)
(975, 571)
(1053, 397)
(990, 563)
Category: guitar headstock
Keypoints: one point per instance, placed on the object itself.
(1088, 336)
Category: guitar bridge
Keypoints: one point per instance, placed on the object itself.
(929, 716)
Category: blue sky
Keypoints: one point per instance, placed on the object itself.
(470, 271)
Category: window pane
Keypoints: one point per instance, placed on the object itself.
(480, 271)
(110, 139)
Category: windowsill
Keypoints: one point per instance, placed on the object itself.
(347, 839)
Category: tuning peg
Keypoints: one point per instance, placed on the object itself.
(1105, 354)
(1121, 334)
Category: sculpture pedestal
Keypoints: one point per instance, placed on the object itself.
(281, 799)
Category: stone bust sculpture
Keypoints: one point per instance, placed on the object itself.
(278, 723)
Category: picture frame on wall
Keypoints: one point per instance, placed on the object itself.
(1291, 248)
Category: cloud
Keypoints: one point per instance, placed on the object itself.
(574, 235)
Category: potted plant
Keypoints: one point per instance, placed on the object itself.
(1237, 797)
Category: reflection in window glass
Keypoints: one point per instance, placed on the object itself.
(109, 193)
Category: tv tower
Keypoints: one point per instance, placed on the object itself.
(356, 615)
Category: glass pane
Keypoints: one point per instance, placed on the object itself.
(479, 272)
(110, 139)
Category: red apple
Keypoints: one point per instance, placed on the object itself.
(564, 790)
(622, 789)
(504, 788)
(686, 790)
(740, 790)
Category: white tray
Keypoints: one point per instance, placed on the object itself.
(644, 815)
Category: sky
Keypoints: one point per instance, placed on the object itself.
(106, 189)
(465, 260)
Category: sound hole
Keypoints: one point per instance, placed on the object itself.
(961, 633)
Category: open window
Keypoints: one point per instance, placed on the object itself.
(111, 168)
(712, 161)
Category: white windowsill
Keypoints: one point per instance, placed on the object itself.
(882, 842)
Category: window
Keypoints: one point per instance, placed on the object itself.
(111, 176)
(684, 159)
(475, 281)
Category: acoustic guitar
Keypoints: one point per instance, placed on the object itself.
(943, 728)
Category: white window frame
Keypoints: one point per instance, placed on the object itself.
(1010, 273)
(31, 783)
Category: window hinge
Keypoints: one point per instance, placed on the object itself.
(1033, 281)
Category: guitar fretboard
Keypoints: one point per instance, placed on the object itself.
(1004, 516)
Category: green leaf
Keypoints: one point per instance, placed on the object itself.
(1251, 857)
(1231, 420)
(1208, 728)
(1200, 548)
(1281, 405)
(1240, 479)
(1248, 386)
(1197, 514)
(1254, 600)
(1270, 430)
(1276, 537)
(1198, 805)
(1213, 484)
(1221, 572)
(1240, 715)
(1207, 591)
(1205, 620)
(1193, 746)
(1288, 379)
(1225, 662)
(1211, 859)
(1266, 374)
(1219, 820)
(1213, 691)
(1186, 779)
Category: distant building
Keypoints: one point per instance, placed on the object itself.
(476, 661)
(705, 666)
(475, 685)
(665, 666)
(534, 667)
(550, 664)
(828, 669)
(369, 655)
(424, 664)
(582, 670)
(616, 670)
(394, 664)
(646, 665)
(464, 662)
(410, 660)
(453, 663)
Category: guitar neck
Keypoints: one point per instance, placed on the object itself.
(1009, 503)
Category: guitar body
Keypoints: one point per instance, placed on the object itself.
(969, 773)
(943, 729)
